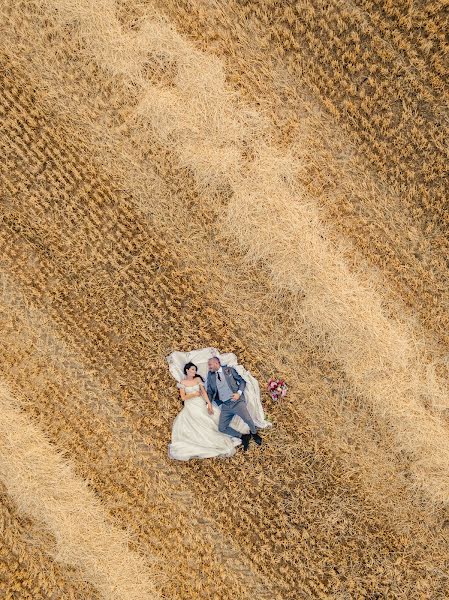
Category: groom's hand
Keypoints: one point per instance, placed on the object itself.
(236, 396)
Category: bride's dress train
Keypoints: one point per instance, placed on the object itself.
(195, 432)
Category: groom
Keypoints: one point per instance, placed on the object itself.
(226, 387)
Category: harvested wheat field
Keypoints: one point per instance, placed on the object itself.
(267, 178)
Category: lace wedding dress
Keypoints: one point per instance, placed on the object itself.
(195, 432)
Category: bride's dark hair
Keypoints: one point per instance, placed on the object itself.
(187, 367)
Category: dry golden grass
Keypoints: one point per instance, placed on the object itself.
(44, 486)
(26, 568)
(381, 218)
(125, 151)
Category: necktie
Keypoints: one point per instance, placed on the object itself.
(218, 375)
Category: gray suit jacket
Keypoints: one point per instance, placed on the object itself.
(235, 382)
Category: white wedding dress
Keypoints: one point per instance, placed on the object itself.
(195, 432)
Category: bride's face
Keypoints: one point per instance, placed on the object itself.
(191, 372)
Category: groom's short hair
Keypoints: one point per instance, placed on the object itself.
(217, 359)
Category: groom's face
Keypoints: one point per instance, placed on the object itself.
(213, 364)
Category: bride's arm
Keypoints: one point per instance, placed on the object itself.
(206, 397)
(185, 396)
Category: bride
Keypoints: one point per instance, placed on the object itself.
(195, 431)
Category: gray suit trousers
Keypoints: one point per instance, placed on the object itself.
(228, 410)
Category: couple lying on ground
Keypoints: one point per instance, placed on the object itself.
(219, 414)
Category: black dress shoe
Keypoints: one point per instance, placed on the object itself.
(245, 441)
(257, 438)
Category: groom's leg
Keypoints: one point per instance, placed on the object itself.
(226, 416)
(239, 408)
